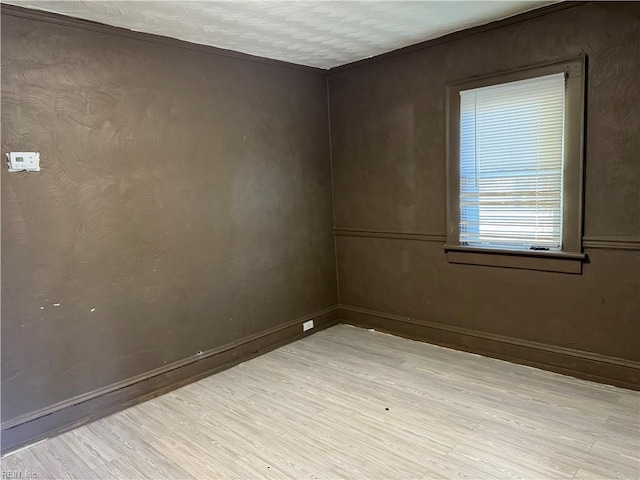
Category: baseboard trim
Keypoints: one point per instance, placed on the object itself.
(82, 409)
(577, 363)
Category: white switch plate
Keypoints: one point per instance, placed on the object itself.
(23, 161)
(308, 325)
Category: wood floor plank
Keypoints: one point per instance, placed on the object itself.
(130, 467)
(135, 453)
(60, 461)
(352, 403)
(200, 460)
(536, 462)
(24, 464)
(604, 469)
(90, 447)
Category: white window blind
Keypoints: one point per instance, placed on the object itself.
(511, 164)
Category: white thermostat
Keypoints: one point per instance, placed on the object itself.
(24, 161)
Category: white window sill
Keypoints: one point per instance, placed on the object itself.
(543, 260)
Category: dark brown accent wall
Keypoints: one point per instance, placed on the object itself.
(388, 149)
(182, 220)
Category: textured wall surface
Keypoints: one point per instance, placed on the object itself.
(389, 146)
(184, 203)
(185, 199)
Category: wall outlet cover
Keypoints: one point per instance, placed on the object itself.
(308, 325)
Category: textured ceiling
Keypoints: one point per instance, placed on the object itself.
(321, 33)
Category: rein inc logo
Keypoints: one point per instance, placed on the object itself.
(17, 474)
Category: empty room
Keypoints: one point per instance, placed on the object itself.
(321, 239)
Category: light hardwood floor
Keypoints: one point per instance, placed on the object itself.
(353, 403)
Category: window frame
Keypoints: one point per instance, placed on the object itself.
(570, 258)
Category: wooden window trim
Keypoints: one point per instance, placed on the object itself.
(570, 259)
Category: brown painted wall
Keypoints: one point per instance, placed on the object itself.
(388, 150)
(184, 196)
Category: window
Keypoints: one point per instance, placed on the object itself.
(515, 169)
(511, 159)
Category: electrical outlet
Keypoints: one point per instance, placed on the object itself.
(308, 325)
